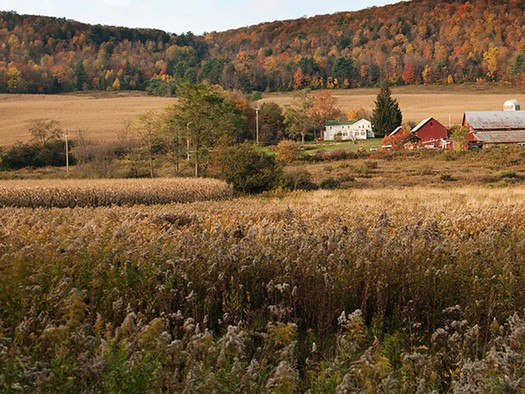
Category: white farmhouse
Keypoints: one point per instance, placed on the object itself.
(348, 130)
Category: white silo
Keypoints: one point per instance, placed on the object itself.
(511, 105)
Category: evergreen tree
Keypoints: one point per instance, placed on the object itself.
(386, 115)
(80, 76)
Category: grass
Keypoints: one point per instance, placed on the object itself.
(408, 280)
(383, 170)
(101, 117)
(311, 148)
(412, 289)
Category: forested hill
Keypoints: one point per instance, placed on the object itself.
(415, 42)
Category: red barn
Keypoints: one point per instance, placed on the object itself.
(429, 133)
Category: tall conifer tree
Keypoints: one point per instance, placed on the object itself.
(386, 115)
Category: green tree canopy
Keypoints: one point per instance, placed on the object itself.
(386, 115)
(245, 168)
(343, 69)
(270, 122)
(209, 115)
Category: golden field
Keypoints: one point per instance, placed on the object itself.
(102, 115)
(69, 193)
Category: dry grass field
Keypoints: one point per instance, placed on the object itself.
(400, 291)
(102, 115)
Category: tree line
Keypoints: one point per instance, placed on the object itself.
(416, 42)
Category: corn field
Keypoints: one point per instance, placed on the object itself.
(399, 291)
(107, 192)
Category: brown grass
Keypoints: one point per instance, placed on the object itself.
(102, 115)
(64, 193)
(497, 167)
(411, 290)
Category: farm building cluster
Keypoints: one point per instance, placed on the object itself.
(483, 128)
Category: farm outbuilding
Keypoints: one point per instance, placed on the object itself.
(429, 133)
(496, 127)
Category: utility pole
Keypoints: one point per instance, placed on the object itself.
(257, 125)
(188, 141)
(67, 151)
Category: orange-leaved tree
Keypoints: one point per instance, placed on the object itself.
(397, 140)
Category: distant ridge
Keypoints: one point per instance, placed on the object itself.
(416, 42)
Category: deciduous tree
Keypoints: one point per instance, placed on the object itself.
(209, 115)
(324, 107)
(147, 128)
(45, 130)
(270, 122)
(247, 169)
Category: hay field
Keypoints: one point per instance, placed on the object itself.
(101, 115)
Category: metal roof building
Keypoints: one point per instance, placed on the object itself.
(495, 120)
(496, 127)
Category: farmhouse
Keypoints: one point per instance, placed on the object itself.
(429, 133)
(348, 130)
(496, 127)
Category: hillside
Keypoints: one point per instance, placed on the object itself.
(416, 42)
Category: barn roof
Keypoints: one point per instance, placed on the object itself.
(399, 128)
(500, 137)
(421, 124)
(495, 120)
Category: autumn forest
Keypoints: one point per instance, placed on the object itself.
(415, 42)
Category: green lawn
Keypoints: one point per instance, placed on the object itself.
(313, 147)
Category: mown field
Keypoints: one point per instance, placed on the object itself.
(102, 116)
(417, 289)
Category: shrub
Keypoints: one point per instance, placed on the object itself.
(371, 165)
(245, 168)
(397, 140)
(507, 174)
(287, 151)
(298, 179)
(447, 178)
(330, 183)
(21, 155)
(341, 154)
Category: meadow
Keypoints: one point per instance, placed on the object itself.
(417, 289)
(102, 116)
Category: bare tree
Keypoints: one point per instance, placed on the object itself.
(44, 130)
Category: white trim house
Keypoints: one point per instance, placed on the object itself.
(348, 130)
